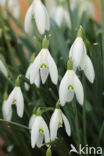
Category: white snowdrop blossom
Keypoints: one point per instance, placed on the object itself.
(81, 59)
(15, 97)
(3, 69)
(6, 116)
(12, 5)
(62, 16)
(32, 120)
(44, 64)
(38, 12)
(56, 121)
(27, 75)
(69, 85)
(39, 132)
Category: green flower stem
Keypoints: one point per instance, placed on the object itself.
(15, 124)
(102, 8)
(101, 132)
(71, 17)
(76, 124)
(84, 113)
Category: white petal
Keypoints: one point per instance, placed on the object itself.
(70, 95)
(67, 125)
(4, 110)
(27, 75)
(19, 102)
(78, 48)
(40, 140)
(47, 20)
(78, 90)
(40, 16)
(28, 26)
(56, 118)
(52, 69)
(37, 80)
(44, 74)
(32, 120)
(35, 132)
(59, 15)
(3, 69)
(67, 18)
(89, 69)
(46, 131)
(66, 95)
(35, 69)
(10, 100)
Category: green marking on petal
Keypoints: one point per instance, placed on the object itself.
(14, 101)
(41, 130)
(59, 124)
(70, 87)
(80, 68)
(43, 65)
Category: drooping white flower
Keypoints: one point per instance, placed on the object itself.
(39, 132)
(69, 85)
(39, 12)
(36, 80)
(62, 16)
(3, 69)
(15, 97)
(57, 120)
(6, 115)
(81, 60)
(46, 65)
(32, 120)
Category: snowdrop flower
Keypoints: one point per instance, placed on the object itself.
(32, 120)
(57, 120)
(4, 108)
(39, 12)
(81, 59)
(15, 97)
(39, 132)
(36, 80)
(3, 69)
(46, 65)
(70, 85)
(62, 16)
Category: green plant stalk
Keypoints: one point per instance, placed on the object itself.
(101, 132)
(76, 124)
(102, 8)
(84, 113)
(71, 17)
(14, 123)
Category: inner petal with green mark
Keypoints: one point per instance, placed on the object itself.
(60, 124)
(79, 68)
(70, 87)
(43, 65)
(14, 101)
(41, 130)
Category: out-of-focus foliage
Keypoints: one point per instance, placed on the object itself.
(13, 47)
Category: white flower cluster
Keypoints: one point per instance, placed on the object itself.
(42, 66)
